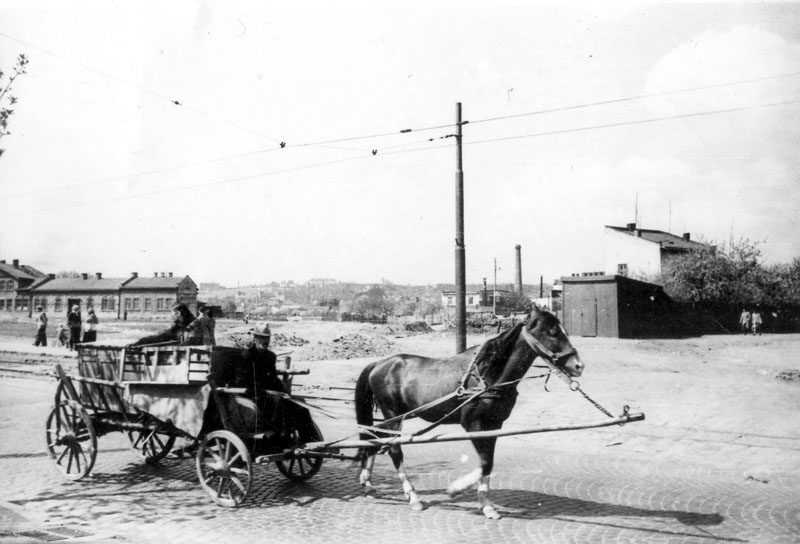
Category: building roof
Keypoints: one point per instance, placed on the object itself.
(161, 282)
(666, 240)
(21, 272)
(91, 284)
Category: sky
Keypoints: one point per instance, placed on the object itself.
(241, 144)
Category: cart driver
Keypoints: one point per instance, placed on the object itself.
(260, 364)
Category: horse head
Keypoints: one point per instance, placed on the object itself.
(548, 339)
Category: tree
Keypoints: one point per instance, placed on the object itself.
(68, 274)
(517, 301)
(5, 96)
(373, 302)
(732, 277)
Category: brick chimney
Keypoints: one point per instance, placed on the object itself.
(519, 268)
(687, 236)
(16, 263)
(170, 274)
(134, 274)
(631, 226)
(99, 275)
(85, 276)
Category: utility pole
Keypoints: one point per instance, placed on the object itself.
(461, 267)
(494, 295)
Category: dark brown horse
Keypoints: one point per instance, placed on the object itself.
(476, 388)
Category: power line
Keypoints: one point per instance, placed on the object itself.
(637, 122)
(638, 97)
(139, 87)
(338, 161)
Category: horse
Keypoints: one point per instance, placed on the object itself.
(476, 388)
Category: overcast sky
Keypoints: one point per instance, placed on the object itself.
(148, 135)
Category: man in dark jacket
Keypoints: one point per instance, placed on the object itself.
(259, 373)
(177, 332)
(74, 323)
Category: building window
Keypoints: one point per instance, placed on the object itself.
(57, 304)
(10, 285)
(112, 303)
(104, 304)
(2, 304)
(90, 302)
(137, 304)
(127, 303)
(20, 304)
(470, 301)
(148, 304)
(167, 303)
(622, 269)
(159, 304)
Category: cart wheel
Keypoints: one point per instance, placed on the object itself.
(152, 445)
(298, 468)
(71, 440)
(224, 468)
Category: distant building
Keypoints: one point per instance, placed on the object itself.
(475, 299)
(643, 253)
(15, 280)
(134, 297)
(617, 307)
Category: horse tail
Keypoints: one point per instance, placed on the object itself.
(365, 401)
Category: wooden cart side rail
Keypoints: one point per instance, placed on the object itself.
(94, 394)
(459, 436)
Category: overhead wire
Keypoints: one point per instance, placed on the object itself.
(395, 152)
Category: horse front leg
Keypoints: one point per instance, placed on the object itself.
(479, 476)
(408, 488)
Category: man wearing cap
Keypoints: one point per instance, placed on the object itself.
(260, 364)
(41, 329)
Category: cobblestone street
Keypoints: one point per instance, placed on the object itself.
(545, 493)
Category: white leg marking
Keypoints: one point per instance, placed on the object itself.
(408, 490)
(486, 505)
(464, 482)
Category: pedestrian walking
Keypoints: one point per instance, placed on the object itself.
(41, 328)
(90, 331)
(62, 335)
(756, 321)
(744, 321)
(74, 323)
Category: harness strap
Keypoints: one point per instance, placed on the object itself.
(550, 358)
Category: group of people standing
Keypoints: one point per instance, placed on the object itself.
(750, 323)
(69, 335)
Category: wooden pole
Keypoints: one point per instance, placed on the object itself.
(461, 283)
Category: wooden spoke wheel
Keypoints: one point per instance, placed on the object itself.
(71, 440)
(152, 444)
(299, 468)
(224, 468)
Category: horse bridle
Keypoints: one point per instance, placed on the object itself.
(551, 358)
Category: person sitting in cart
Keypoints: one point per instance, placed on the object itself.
(261, 375)
(180, 331)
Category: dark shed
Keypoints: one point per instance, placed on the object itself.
(617, 307)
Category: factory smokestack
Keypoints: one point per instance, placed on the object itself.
(518, 277)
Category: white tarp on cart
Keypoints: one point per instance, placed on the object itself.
(181, 404)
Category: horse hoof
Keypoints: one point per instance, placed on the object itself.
(370, 492)
(490, 512)
(417, 506)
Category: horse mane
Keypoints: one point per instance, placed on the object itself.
(498, 348)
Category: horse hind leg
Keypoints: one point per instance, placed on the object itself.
(367, 466)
